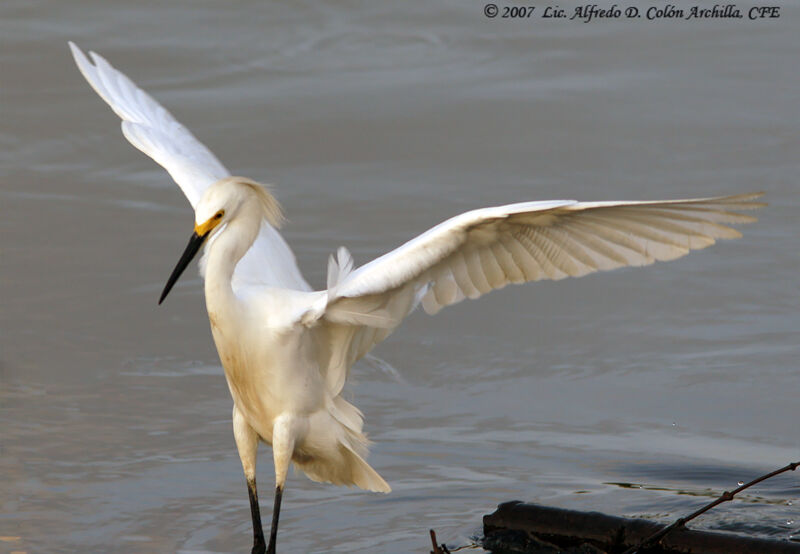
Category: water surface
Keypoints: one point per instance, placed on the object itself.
(642, 392)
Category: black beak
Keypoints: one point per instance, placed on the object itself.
(191, 250)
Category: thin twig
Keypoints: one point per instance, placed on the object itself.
(436, 549)
(725, 497)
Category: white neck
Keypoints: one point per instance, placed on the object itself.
(224, 253)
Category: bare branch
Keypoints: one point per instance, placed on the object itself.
(725, 497)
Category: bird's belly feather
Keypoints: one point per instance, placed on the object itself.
(270, 373)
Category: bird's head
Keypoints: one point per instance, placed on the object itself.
(226, 199)
(222, 203)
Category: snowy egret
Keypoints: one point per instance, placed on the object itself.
(286, 350)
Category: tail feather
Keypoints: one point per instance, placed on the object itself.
(363, 475)
(349, 470)
(334, 451)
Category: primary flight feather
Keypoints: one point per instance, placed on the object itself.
(286, 349)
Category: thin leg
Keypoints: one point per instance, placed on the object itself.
(258, 533)
(283, 436)
(247, 443)
(276, 513)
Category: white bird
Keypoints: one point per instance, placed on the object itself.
(286, 349)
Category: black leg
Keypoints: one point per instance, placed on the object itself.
(276, 512)
(258, 534)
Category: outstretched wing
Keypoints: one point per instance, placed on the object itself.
(153, 130)
(483, 250)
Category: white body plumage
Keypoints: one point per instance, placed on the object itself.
(287, 350)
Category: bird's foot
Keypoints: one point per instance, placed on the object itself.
(259, 547)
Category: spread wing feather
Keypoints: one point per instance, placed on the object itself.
(151, 128)
(483, 250)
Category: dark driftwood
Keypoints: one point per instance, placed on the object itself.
(596, 532)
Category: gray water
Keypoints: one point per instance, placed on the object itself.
(641, 392)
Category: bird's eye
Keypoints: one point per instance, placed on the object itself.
(219, 214)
